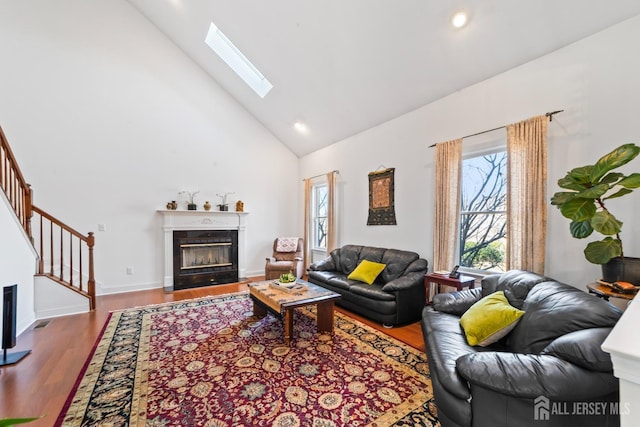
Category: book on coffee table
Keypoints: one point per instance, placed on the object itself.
(291, 287)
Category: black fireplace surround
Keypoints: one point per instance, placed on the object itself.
(204, 258)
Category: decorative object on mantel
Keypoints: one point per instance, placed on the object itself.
(239, 206)
(190, 195)
(381, 197)
(207, 206)
(224, 206)
(172, 205)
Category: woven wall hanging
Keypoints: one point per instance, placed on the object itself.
(381, 198)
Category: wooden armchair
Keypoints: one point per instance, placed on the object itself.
(287, 257)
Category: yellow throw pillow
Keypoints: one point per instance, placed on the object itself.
(489, 319)
(366, 271)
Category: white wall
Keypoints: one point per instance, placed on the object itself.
(595, 81)
(17, 264)
(109, 120)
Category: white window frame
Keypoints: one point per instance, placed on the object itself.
(487, 150)
(315, 218)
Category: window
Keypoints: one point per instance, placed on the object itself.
(483, 212)
(319, 216)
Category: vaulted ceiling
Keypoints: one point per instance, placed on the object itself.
(344, 66)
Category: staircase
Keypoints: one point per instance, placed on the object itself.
(65, 255)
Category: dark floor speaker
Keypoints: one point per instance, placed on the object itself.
(9, 320)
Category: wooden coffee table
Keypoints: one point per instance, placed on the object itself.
(282, 304)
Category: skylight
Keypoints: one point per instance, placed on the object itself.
(235, 59)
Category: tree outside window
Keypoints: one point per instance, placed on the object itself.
(483, 215)
(319, 224)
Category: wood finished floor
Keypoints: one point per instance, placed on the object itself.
(40, 383)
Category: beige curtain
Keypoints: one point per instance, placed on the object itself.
(332, 178)
(526, 194)
(307, 223)
(447, 204)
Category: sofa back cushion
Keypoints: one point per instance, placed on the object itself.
(397, 262)
(515, 284)
(347, 258)
(553, 309)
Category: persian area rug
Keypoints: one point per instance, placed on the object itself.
(210, 362)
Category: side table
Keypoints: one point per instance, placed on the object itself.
(605, 292)
(441, 279)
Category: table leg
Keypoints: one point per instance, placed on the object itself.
(258, 310)
(427, 291)
(288, 325)
(325, 316)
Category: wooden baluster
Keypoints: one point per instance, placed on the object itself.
(51, 245)
(28, 212)
(61, 253)
(92, 282)
(71, 259)
(80, 262)
(2, 167)
(41, 261)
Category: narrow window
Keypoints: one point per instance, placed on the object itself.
(483, 212)
(319, 213)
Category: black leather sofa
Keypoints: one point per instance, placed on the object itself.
(396, 297)
(548, 371)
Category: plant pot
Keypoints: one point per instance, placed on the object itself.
(624, 269)
(223, 208)
(192, 206)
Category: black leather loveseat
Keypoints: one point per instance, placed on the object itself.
(548, 371)
(396, 297)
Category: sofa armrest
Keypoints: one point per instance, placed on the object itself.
(530, 376)
(456, 302)
(405, 282)
(298, 258)
(271, 259)
(326, 264)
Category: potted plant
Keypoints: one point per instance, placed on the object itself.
(190, 203)
(589, 187)
(224, 205)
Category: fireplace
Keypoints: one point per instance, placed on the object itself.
(204, 257)
(204, 265)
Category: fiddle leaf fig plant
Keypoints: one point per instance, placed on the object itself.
(584, 204)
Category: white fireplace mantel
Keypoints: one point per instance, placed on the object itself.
(624, 347)
(200, 220)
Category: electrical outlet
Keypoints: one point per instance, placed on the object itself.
(129, 271)
(102, 227)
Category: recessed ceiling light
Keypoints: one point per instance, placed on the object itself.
(237, 61)
(459, 19)
(301, 127)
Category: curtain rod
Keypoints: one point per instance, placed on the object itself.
(550, 115)
(322, 174)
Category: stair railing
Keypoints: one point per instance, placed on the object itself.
(13, 184)
(65, 255)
